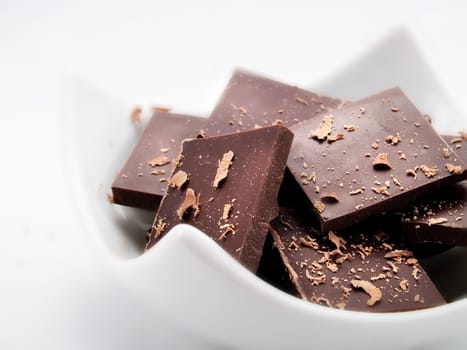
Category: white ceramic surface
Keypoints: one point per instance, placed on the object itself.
(189, 278)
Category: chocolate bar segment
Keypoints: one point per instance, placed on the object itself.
(142, 181)
(442, 217)
(376, 155)
(227, 187)
(250, 101)
(361, 270)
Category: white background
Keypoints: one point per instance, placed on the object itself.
(54, 287)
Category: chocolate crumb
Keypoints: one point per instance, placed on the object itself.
(223, 168)
(395, 109)
(164, 150)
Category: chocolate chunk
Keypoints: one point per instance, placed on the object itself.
(362, 269)
(441, 217)
(250, 101)
(252, 166)
(368, 174)
(139, 183)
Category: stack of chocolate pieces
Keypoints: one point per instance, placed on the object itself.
(320, 196)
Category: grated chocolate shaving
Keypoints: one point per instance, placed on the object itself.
(135, 115)
(339, 242)
(446, 152)
(158, 172)
(456, 140)
(437, 221)
(357, 191)
(381, 190)
(369, 288)
(381, 161)
(223, 168)
(398, 253)
(159, 161)
(309, 242)
(190, 203)
(336, 137)
(393, 140)
(329, 197)
(110, 198)
(323, 130)
(315, 280)
(453, 169)
(301, 100)
(226, 212)
(160, 109)
(159, 228)
(178, 179)
(428, 172)
(319, 206)
(227, 229)
(404, 285)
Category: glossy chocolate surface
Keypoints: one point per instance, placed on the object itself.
(362, 269)
(251, 101)
(138, 184)
(376, 155)
(229, 191)
(441, 217)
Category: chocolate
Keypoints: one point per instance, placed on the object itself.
(142, 181)
(442, 217)
(250, 101)
(376, 155)
(229, 190)
(362, 269)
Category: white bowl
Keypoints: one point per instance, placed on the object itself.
(190, 279)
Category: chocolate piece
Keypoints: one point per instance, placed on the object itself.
(250, 101)
(142, 181)
(362, 269)
(231, 191)
(442, 217)
(391, 157)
